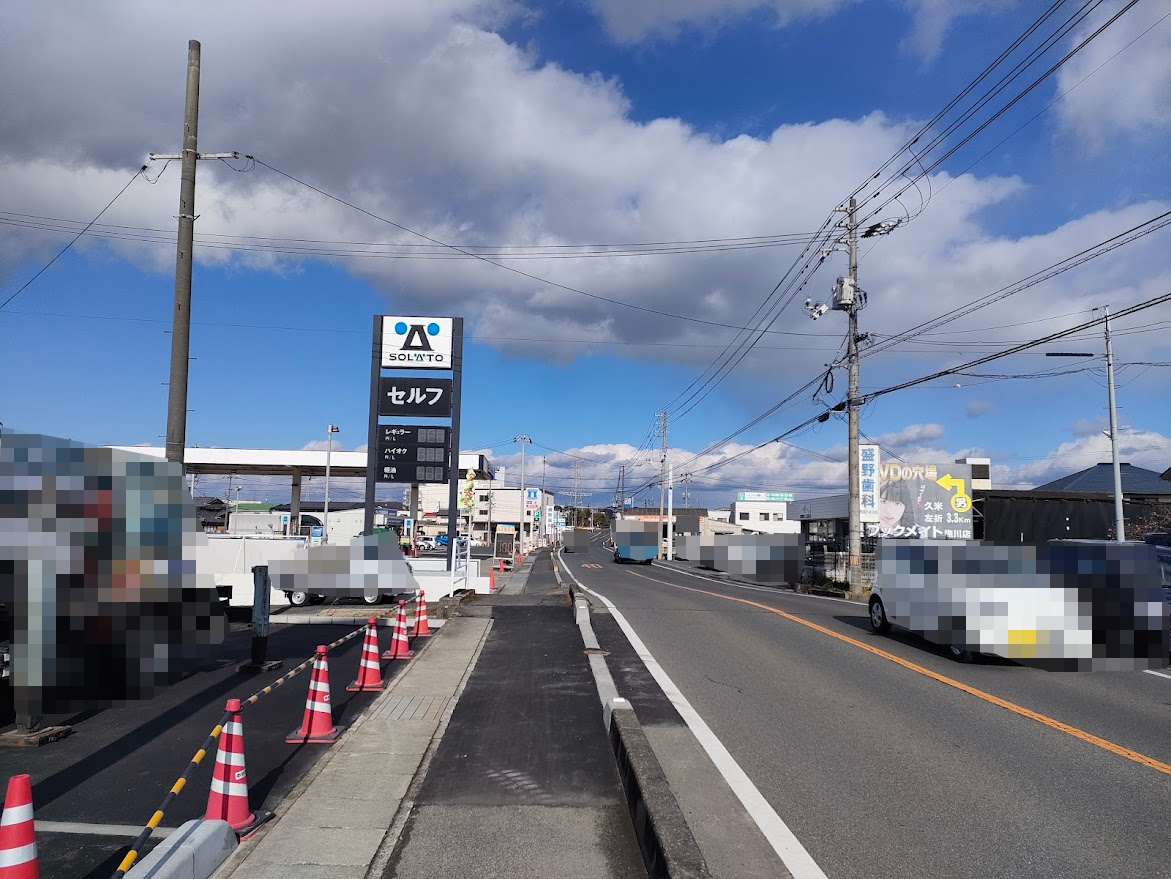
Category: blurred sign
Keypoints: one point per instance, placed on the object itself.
(416, 343)
(315, 535)
(770, 496)
(532, 498)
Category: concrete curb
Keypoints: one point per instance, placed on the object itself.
(194, 851)
(669, 849)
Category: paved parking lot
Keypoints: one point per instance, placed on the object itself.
(118, 764)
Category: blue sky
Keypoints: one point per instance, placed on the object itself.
(509, 126)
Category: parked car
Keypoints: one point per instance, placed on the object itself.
(427, 543)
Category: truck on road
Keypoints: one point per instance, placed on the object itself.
(635, 541)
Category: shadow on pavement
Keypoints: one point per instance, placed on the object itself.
(916, 642)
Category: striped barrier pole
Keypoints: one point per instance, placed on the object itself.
(213, 736)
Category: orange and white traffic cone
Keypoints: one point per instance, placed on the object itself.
(18, 838)
(400, 647)
(369, 671)
(317, 726)
(228, 798)
(422, 625)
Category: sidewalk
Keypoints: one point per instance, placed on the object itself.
(335, 821)
(486, 758)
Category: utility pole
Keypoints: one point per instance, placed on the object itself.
(576, 492)
(522, 439)
(1119, 518)
(855, 542)
(543, 529)
(184, 258)
(621, 490)
(662, 476)
(228, 507)
(670, 513)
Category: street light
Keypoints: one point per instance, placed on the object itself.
(329, 432)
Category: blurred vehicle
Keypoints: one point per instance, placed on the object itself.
(427, 544)
(1053, 606)
(635, 541)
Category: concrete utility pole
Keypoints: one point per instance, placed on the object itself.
(543, 529)
(522, 439)
(855, 541)
(576, 492)
(662, 475)
(184, 257)
(1119, 518)
(621, 491)
(670, 512)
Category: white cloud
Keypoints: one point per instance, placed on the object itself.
(976, 408)
(629, 22)
(1142, 448)
(425, 115)
(1130, 93)
(934, 18)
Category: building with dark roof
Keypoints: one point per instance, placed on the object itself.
(1136, 481)
(1079, 506)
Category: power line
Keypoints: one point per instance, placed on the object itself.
(492, 262)
(407, 250)
(73, 240)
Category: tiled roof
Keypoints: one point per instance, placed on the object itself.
(1100, 477)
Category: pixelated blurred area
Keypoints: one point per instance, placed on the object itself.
(97, 575)
(369, 567)
(1062, 606)
(576, 540)
(768, 559)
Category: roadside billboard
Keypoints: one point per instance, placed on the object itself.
(924, 501)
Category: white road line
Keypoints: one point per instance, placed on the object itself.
(757, 588)
(1159, 673)
(128, 830)
(788, 848)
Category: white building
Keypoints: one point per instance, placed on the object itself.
(763, 513)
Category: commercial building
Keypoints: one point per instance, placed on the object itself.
(760, 512)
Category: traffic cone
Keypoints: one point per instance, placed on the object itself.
(422, 624)
(518, 559)
(502, 566)
(18, 839)
(369, 671)
(317, 725)
(400, 647)
(228, 798)
(491, 579)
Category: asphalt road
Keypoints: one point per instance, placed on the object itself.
(119, 763)
(880, 769)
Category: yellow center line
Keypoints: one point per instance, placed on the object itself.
(943, 679)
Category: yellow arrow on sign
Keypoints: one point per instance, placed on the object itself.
(953, 483)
